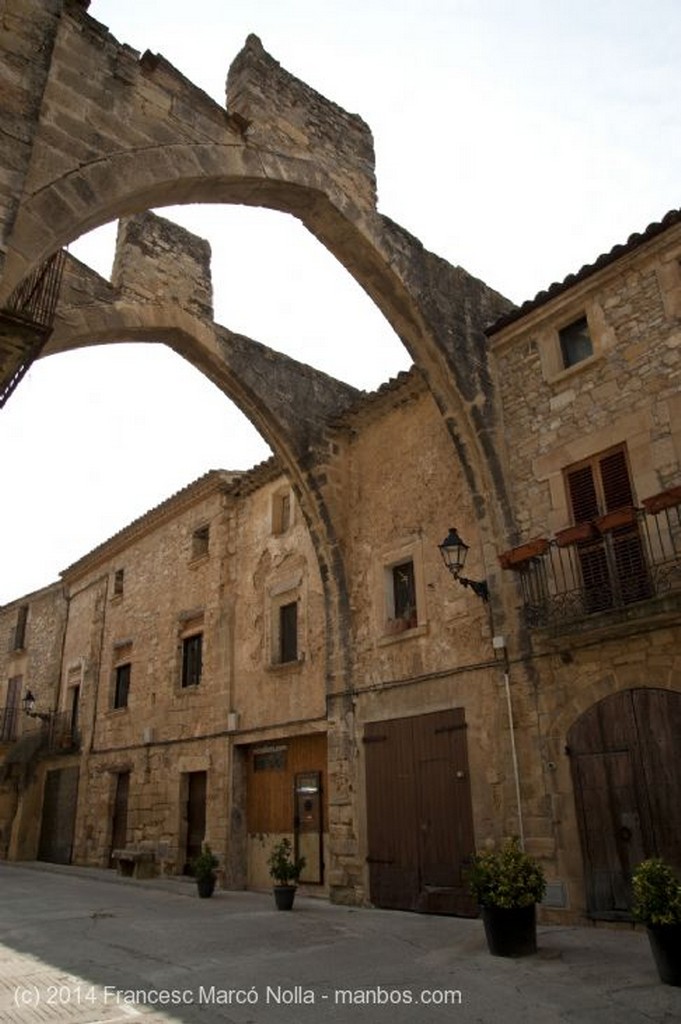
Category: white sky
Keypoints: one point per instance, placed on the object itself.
(516, 138)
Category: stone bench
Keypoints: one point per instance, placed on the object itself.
(131, 863)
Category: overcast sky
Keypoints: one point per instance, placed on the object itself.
(516, 138)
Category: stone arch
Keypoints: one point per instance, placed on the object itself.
(260, 382)
(409, 285)
(148, 138)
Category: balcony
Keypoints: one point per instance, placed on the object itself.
(26, 322)
(608, 567)
(55, 734)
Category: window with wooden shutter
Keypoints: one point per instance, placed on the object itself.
(600, 485)
(612, 561)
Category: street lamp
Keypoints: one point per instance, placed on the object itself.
(454, 552)
(28, 705)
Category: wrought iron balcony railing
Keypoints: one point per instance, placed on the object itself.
(35, 299)
(624, 558)
(28, 318)
(57, 732)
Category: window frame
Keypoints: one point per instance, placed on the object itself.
(191, 668)
(279, 594)
(574, 333)
(390, 626)
(20, 629)
(282, 511)
(118, 583)
(200, 542)
(287, 633)
(121, 685)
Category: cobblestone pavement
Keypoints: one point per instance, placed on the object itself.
(81, 946)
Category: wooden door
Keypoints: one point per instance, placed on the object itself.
(419, 813)
(58, 816)
(196, 814)
(119, 819)
(625, 765)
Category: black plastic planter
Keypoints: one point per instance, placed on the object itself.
(665, 943)
(283, 896)
(511, 932)
(205, 887)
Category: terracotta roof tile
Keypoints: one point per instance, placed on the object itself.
(633, 242)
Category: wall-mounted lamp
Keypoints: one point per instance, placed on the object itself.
(28, 705)
(454, 552)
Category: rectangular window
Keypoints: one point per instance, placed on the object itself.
(122, 685)
(575, 342)
(404, 593)
(19, 640)
(269, 759)
(75, 710)
(192, 647)
(282, 511)
(200, 541)
(10, 715)
(612, 561)
(119, 579)
(288, 632)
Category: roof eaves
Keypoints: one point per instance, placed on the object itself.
(605, 259)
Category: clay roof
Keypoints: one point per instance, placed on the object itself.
(399, 389)
(604, 260)
(228, 481)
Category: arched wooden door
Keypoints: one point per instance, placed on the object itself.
(626, 763)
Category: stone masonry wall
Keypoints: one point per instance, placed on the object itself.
(628, 391)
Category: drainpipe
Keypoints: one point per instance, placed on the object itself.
(514, 753)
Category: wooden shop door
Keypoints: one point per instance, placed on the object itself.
(419, 813)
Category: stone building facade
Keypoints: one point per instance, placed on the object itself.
(284, 652)
(191, 639)
(589, 379)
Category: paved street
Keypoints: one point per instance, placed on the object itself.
(81, 946)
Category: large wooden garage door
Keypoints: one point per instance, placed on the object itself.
(59, 815)
(419, 813)
(625, 764)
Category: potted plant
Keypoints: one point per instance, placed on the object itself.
(285, 869)
(657, 904)
(508, 883)
(203, 868)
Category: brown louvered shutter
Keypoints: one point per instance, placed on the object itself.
(583, 497)
(601, 485)
(615, 479)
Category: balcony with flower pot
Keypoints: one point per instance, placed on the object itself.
(619, 567)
